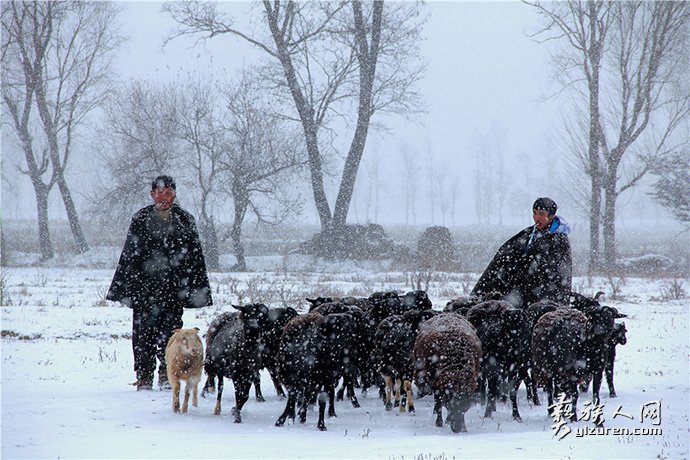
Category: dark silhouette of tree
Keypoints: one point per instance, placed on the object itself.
(56, 61)
(632, 57)
(672, 187)
(339, 61)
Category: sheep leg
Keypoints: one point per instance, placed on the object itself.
(389, 389)
(596, 386)
(241, 396)
(438, 408)
(289, 408)
(350, 380)
(531, 388)
(307, 395)
(187, 392)
(331, 401)
(341, 391)
(481, 383)
(276, 383)
(515, 384)
(492, 391)
(584, 385)
(398, 385)
(256, 381)
(219, 395)
(456, 414)
(403, 395)
(195, 393)
(609, 379)
(572, 387)
(407, 384)
(322, 408)
(209, 386)
(549, 395)
(175, 383)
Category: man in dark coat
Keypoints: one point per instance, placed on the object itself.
(533, 265)
(161, 271)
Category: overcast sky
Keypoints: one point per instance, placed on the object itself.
(485, 78)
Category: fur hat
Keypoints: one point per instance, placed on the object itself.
(547, 204)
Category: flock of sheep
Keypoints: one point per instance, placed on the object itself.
(475, 350)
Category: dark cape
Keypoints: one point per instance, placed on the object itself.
(161, 263)
(531, 266)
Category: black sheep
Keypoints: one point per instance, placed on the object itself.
(505, 333)
(447, 354)
(600, 325)
(394, 342)
(618, 337)
(314, 352)
(276, 320)
(362, 342)
(235, 353)
(557, 353)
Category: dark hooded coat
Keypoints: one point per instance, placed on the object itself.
(531, 266)
(162, 262)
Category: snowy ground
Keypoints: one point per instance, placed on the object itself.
(67, 365)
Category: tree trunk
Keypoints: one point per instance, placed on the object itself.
(209, 239)
(597, 34)
(306, 115)
(241, 198)
(44, 240)
(610, 250)
(59, 167)
(81, 245)
(367, 54)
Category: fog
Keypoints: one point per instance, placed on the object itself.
(487, 82)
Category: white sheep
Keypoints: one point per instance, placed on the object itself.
(184, 356)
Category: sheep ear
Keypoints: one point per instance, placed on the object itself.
(197, 329)
(617, 315)
(238, 307)
(175, 331)
(310, 300)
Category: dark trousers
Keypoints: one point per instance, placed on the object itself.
(152, 326)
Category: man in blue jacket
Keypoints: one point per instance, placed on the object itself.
(161, 271)
(533, 265)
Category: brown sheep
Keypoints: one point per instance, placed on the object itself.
(558, 357)
(447, 353)
(185, 357)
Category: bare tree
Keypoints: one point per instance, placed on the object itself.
(138, 140)
(259, 158)
(343, 59)
(650, 53)
(58, 56)
(410, 182)
(203, 143)
(630, 55)
(491, 179)
(672, 187)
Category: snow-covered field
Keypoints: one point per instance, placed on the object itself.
(67, 366)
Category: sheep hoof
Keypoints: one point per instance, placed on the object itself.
(389, 406)
(355, 403)
(411, 410)
(323, 428)
(260, 399)
(613, 394)
(517, 418)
